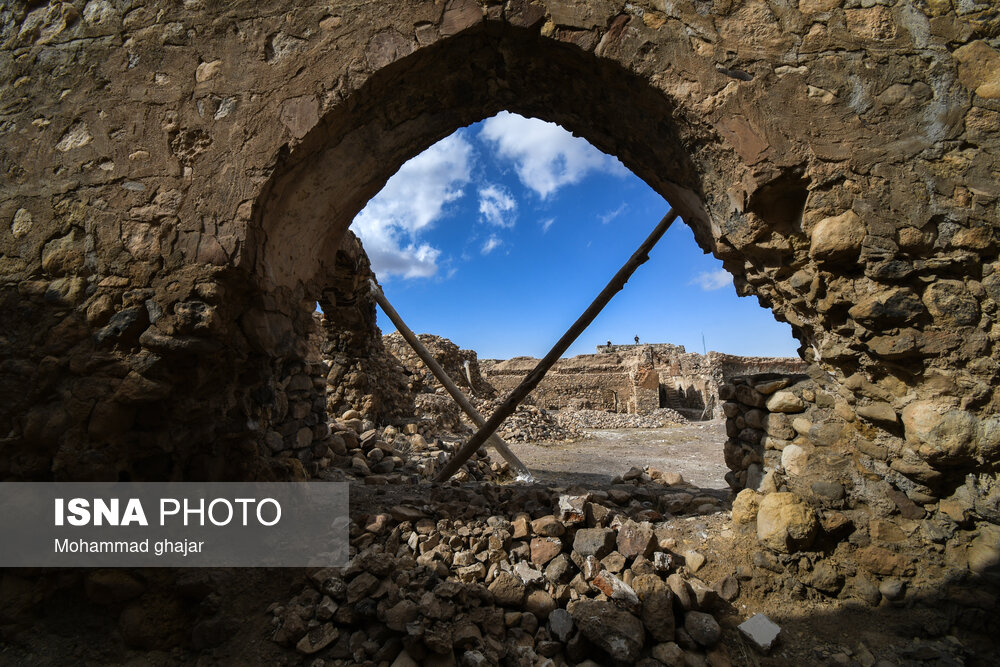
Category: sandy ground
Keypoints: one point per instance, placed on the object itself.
(693, 449)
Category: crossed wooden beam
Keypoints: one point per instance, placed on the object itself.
(487, 428)
(521, 471)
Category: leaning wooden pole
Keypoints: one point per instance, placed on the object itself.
(520, 470)
(616, 284)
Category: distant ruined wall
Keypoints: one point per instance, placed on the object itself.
(179, 178)
(581, 382)
(637, 378)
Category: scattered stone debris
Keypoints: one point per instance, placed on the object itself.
(558, 576)
(391, 455)
(602, 419)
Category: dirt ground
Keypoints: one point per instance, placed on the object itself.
(693, 449)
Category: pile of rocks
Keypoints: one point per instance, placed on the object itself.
(555, 578)
(530, 423)
(602, 419)
(395, 455)
(462, 366)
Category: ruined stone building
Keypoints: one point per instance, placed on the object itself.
(637, 378)
(178, 178)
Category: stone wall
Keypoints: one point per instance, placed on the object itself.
(758, 424)
(363, 375)
(807, 435)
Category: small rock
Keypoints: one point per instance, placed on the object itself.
(544, 549)
(548, 526)
(693, 560)
(614, 630)
(635, 539)
(657, 606)
(560, 569)
(728, 588)
(760, 631)
(317, 639)
(529, 575)
(703, 628)
(613, 562)
(669, 654)
(404, 660)
(745, 506)
(596, 542)
(571, 509)
(785, 523)
(540, 603)
(681, 591)
(507, 590)
(785, 401)
(561, 624)
(892, 589)
(522, 526)
(616, 589)
(662, 561)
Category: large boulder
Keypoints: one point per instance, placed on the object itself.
(785, 523)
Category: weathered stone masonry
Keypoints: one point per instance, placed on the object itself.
(178, 179)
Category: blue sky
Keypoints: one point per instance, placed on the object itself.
(499, 236)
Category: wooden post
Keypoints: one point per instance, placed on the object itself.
(520, 470)
(640, 256)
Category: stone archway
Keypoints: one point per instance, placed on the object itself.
(839, 161)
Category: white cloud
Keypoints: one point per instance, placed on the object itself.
(492, 243)
(411, 201)
(545, 156)
(712, 280)
(546, 224)
(605, 218)
(497, 205)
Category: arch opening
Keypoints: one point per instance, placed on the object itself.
(298, 246)
(414, 102)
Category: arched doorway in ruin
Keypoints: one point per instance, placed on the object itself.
(753, 215)
(416, 100)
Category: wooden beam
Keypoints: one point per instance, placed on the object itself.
(639, 257)
(520, 470)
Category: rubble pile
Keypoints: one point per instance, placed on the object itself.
(555, 578)
(603, 419)
(530, 423)
(397, 455)
(462, 366)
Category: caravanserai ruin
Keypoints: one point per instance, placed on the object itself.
(179, 178)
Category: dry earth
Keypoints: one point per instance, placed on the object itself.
(693, 449)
